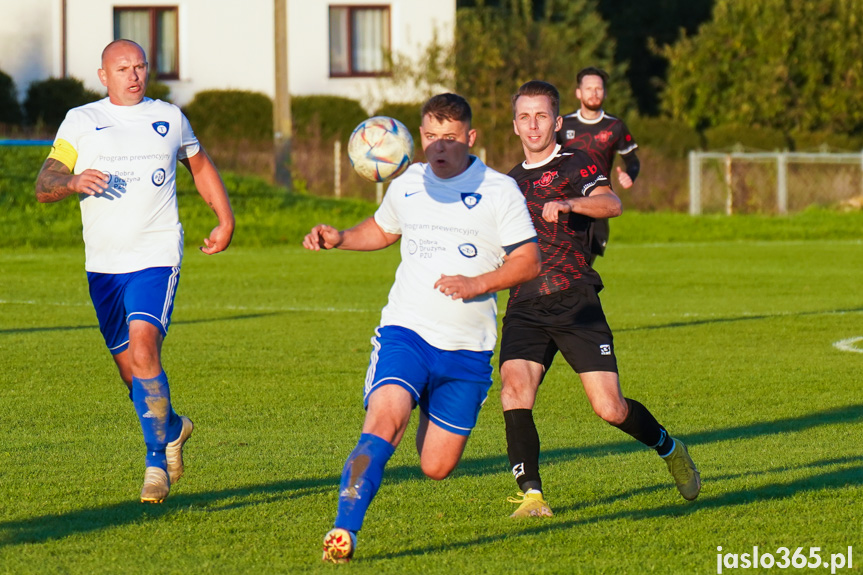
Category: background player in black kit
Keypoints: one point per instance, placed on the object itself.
(600, 135)
(560, 310)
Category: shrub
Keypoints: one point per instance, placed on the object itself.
(231, 114)
(48, 100)
(326, 117)
(729, 135)
(158, 90)
(672, 138)
(829, 141)
(10, 109)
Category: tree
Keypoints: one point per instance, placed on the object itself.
(635, 26)
(10, 109)
(48, 100)
(502, 45)
(782, 64)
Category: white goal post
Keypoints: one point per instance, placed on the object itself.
(760, 173)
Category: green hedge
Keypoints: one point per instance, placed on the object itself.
(242, 115)
(326, 117)
(815, 141)
(233, 114)
(669, 137)
(10, 109)
(158, 90)
(730, 135)
(48, 100)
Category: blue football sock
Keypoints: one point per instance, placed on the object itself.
(159, 423)
(361, 478)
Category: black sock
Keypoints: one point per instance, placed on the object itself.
(641, 425)
(522, 446)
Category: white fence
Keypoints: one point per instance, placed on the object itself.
(733, 182)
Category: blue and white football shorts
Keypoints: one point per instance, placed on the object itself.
(449, 386)
(146, 295)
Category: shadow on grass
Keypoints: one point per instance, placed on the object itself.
(717, 320)
(670, 325)
(845, 414)
(60, 525)
(837, 479)
(184, 322)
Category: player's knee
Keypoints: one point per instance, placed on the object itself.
(612, 413)
(516, 391)
(508, 394)
(436, 470)
(143, 358)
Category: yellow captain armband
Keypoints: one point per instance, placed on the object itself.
(63, 152)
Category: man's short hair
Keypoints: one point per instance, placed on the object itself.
(447, 106)
(591, 71)
(538, 88)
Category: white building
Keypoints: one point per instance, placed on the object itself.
(336, 47)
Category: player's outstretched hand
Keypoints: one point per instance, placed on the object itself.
(551, 210)
(624, 179)
(219, 240)
(459, 287)
(322, 236)
(90, 182)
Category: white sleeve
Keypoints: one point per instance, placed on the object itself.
(189, 145)
(386, 215)
(70, 128)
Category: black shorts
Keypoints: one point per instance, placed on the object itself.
(571, 321)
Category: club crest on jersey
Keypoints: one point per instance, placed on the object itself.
(545, 180)
(603, 137)
(468, 250)
(158, 177)
(161, 128)
(570, 135)
(470, 199)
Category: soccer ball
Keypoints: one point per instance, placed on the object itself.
(380, 149)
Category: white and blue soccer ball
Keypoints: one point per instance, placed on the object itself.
(380, 148)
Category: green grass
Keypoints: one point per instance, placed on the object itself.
(729, 343)
(724, 328)
(267, 215)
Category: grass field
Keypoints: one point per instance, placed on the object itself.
(725, 328)
(729, 343)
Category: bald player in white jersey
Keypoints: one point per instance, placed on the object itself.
(465, 234)
(119, 156)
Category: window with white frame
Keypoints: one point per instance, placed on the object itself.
(155, 29)
(359, 40)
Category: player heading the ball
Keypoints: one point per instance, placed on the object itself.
(465, 234)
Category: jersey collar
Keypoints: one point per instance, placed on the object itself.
(586, 121)
(541, 163)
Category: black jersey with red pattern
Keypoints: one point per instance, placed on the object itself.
(564, 244)
(600, 138)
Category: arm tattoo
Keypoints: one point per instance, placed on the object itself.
(52, 182)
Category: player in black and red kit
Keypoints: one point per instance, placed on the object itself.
(560, 310)
(590, 129)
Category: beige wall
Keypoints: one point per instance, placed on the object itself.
(224, 44)
(412, 21)
(30, 46)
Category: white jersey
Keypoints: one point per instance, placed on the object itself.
(454, 226)
(134, 224)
